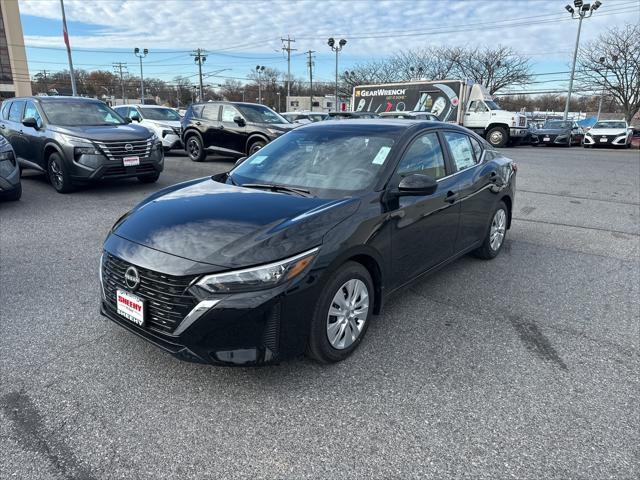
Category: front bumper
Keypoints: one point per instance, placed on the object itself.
(115, 169)
(552, 139)
(171, 141)
(240, 329)
(605, 140)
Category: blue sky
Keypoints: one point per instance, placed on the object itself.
(239, 34)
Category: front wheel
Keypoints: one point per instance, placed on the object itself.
(58, 175)
(497, 137)
(494, 238)
(342, 314)
(195, 149)
(255, 146)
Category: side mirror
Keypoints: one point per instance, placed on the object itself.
(31, 122)
(136, 118)
(417, 184)
(239, 120)
(239, 161)
(127, 120)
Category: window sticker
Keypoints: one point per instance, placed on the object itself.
(259, 159)
(381, 156)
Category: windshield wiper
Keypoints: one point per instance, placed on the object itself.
(278, 188)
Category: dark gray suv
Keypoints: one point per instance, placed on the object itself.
(77, 140)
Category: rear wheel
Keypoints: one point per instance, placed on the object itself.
(255, 146)
(497, 137)
(342, 314)
(149, 178)
(494, 238)
(195, 149)
(58, 174)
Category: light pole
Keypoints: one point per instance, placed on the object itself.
(582, 10)
(279, 107)
(141, 55)
(260, 70)
(419, 70)
(336, 48)
(603, 60)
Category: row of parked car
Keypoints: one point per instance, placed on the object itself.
(78, 140)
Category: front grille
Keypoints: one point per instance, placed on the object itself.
(544, 137)
(120, 170)
(119, 150)
(167, 301)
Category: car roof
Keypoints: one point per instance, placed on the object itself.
(57, 98)
(140, 105)
(393, 123)
(226, 102)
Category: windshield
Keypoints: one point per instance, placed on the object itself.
(320, 160)
(492, 105)
(166, 114)
(610, 125)
(260, 114)
(79, 113)
(558, 124)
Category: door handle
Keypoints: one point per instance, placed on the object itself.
(451, 197)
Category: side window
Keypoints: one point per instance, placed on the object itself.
(210, 112)
(477, 149)
(4, 111)
(15, 112)
(228, 113)
(423, 156)
(461, 149)
(134, 113)
(30, 111)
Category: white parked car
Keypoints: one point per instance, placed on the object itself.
(614, 133)
(163, 121)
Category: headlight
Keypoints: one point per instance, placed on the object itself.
(257, 278)
(8, 155)
(75, 141)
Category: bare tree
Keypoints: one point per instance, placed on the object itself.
(619, 78)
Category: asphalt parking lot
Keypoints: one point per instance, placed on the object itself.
(522, 367)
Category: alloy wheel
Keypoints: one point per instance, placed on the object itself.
(347, 314)
(498, 229)
(55, 174)
(496, 138)
(194, 147)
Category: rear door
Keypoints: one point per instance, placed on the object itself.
(231, 135)
(209, 124)
(474, 182)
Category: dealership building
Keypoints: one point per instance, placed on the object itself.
(14, 71)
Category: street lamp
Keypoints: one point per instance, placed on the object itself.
(582, 10)
(260, 70)
(603, 61)
(141, 55)
(336, 48)
(419, 70)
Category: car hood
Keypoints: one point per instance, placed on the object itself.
(162, 123)
(552, 131)
(608, 131)
(228, 226)
(106, 132)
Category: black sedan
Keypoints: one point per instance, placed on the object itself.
(10, 186)
(558, 132)
(296, 248)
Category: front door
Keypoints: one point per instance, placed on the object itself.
(34, 137)
(232, 136)
(425, 227)
(477, 115)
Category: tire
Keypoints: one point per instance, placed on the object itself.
(58, 174)
(14, 195)
(319, 346)
(194, 148)
(149, 178)
(255, 146)
(498, 223)
(497, 137)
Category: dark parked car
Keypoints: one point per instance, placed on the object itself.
(410, 115)
(558, 132)
(297, 247)
(76, 140)
(232, 128)
(351, 115)
(10, 186)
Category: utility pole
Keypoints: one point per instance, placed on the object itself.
(310, 65)
(288, 49)
(65, 33)
(200, 58)
(119, 67)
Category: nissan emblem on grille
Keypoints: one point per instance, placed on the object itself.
(132, 278)
(128, 147)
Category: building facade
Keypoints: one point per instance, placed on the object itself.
(303, 104)
(14, 70)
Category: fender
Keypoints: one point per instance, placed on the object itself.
(188, 133)
(48, 149)
(253, 137)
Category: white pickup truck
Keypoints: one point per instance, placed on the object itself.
(465, 103)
